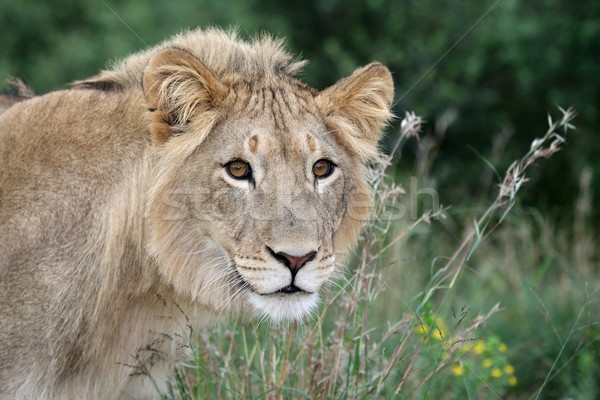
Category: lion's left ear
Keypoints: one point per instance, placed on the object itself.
(356, 108)
(177, 86)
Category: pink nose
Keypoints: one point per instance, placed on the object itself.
(294, 263)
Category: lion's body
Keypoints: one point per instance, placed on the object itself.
(120, 235)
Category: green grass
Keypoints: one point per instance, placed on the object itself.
(478, 301)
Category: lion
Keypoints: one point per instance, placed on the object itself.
(194, 179)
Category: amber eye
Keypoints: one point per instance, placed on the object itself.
(323, 169)
(239, 169)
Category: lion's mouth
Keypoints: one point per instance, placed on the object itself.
(289, 289)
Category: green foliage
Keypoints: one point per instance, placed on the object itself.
(480, 366)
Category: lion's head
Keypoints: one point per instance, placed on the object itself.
(261, 184)
(268, 186)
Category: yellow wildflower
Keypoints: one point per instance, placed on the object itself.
(440, 331)
(487, 363)
(422, 329)
(479, 347)
(512, 380)
(509, 369)
(457, 370)
(496, 373)
(502, 347)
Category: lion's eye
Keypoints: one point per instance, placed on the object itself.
(323, 169)
(239, 169)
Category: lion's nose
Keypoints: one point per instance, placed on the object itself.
(294, 263)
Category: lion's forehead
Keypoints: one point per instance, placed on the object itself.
(273, 124)
(297, 144)
(284, 101)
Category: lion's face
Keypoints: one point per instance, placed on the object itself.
(261, 200)
(279, 193)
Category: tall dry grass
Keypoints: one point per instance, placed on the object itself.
(403, 322)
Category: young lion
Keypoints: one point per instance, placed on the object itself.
(195, 178)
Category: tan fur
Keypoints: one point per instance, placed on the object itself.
(121, 233)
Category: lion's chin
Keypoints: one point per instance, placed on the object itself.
(280, 307)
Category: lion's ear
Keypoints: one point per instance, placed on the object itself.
(356, 108)
(178, 86)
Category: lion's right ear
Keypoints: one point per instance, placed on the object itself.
(178, 87)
